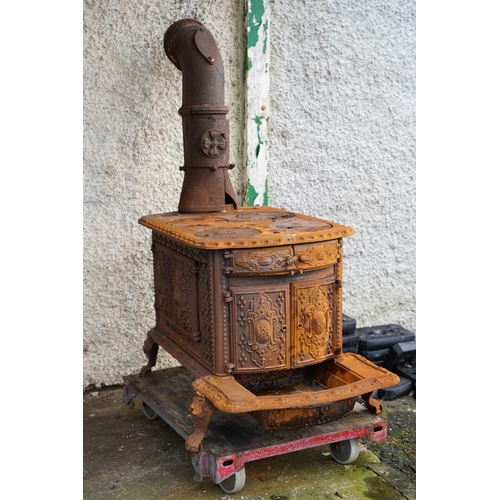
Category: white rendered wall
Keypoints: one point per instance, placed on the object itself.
(342, 139)
(342, 147)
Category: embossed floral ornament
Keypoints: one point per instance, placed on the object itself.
(214, 143)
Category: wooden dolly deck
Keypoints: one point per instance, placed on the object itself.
(235, 439)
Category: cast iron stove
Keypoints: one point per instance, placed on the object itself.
(248, 299)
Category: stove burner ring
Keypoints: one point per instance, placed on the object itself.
(228, 233)
(299, 225)
(258, 216)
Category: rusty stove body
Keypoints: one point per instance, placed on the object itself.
(248, 299)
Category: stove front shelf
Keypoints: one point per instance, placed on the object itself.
(349, 375)
(344, 379)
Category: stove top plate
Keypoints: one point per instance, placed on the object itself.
(247, 227)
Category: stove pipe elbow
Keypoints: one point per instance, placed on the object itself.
(207, 187)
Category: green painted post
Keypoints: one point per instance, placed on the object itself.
(257, 102)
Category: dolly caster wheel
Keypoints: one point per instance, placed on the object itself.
(345, 452)
(195, 461)
(148, 411)
(234, 483)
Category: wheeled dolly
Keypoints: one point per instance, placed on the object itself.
(232, 440)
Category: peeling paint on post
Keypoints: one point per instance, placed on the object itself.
(257, 102)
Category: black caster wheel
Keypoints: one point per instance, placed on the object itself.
(148, 411)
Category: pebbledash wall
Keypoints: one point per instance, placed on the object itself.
(341, 147)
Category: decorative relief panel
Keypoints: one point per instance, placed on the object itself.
(162, 266)
(260, 324)
(317, 255)
(179, 309)
(192, 253)
(314, 323)
(266, 260)
(204, 147)
(213, 143)
(175, 295)
(207, 313)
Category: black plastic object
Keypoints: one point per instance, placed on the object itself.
(401, 354)
(377, 357)
(350, 342)
(383, 337)
(409, 372)
(348, 325)
(396, 391)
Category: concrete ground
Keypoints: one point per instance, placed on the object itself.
(127, 456)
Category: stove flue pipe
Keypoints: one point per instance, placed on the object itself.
(207, 186)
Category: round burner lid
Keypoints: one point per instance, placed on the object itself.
(227, 233)
(299, 225)
(273, 215)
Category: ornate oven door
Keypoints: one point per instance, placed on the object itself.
(314, 321)
(259, 327)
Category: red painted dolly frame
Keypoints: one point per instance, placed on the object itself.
(232, 440)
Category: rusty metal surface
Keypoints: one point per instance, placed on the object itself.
(296, 418)
(249, 300)
(258, 227)
(233, 440)
(207, 187)
(344, 377)
(227, 233)
(247, 311)
(229, 313)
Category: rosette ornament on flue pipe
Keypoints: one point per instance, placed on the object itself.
(207, 186)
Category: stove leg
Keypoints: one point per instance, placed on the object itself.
(201, 411)
(150, 349)
(371, 403)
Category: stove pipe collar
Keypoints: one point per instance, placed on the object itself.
(207, 187)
